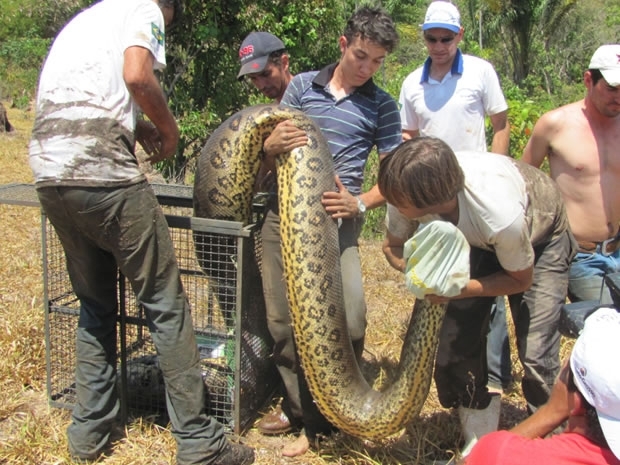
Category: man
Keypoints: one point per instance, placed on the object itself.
(98, 75)
(514, 220)
(587, 394)
(581, 141)
(355, 115)
(265, 62)
(448, 97)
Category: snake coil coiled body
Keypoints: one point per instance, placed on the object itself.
(223, 189)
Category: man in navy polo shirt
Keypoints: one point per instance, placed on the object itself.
(354, 115)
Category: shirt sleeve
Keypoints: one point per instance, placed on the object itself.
(145, 28)
(292, 95)
(494, 449)
(513, 246)
(389, 133)
(493, 97)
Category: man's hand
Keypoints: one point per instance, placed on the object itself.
(148, 137)
(341, 204)
(284, 138)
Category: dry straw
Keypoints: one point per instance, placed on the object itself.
(33, 433)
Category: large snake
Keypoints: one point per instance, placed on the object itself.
(223, 189)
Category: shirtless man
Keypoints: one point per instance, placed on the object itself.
(582, 141)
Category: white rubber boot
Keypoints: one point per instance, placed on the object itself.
(477, 423)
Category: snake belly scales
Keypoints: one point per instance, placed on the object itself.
(223, 189)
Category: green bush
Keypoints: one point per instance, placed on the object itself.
(20, 62)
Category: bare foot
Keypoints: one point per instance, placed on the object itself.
(297, 447)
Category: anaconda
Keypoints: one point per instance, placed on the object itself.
(224, 180)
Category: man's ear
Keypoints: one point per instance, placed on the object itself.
(578, 404)
(285, 61)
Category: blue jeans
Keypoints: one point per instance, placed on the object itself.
(586, 275)
(103, 230)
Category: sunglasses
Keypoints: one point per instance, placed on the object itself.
(434, 40)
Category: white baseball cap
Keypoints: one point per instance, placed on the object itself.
(443, 15)
(607, 60)
(595, 370)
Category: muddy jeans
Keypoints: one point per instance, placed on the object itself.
(103, 230)
(461, 365)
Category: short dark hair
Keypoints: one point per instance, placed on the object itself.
(275, 57)
(374, 24)
(596, 75)
(422, 171)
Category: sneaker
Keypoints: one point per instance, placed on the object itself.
(235, 454)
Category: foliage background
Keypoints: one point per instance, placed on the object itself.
(539, 48)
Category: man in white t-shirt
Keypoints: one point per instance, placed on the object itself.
(97, 77)
(514, 219)
(450, 95)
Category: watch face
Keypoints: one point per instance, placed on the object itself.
(360, 206)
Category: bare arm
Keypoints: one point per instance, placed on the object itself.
(147, 93)
(409, 134)
(539, 145)
(500, 283)
(501, 133)
(393, 251)
(551, 415)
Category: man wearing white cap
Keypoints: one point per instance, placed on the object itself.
(582, 142)
(586, 395)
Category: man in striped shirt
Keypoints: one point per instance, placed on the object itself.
(355, 116)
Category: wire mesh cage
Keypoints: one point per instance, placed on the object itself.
(220, 272)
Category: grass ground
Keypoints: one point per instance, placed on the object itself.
(33, 433)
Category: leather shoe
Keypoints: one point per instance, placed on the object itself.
(235, 454)
(275, 422)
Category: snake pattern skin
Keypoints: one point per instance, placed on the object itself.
(225, 175)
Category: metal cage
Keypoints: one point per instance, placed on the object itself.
(219, 268)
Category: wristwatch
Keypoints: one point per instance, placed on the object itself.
(361, 208)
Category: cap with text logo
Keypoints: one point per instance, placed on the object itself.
(593, 362)
(607, 60)
(443, 15)
(255, 50)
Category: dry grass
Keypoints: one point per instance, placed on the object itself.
(33, 433)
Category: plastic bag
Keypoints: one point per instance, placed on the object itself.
(437, 260)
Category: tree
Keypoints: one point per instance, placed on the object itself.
(201, 76)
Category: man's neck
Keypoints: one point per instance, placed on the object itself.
(338, 85)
